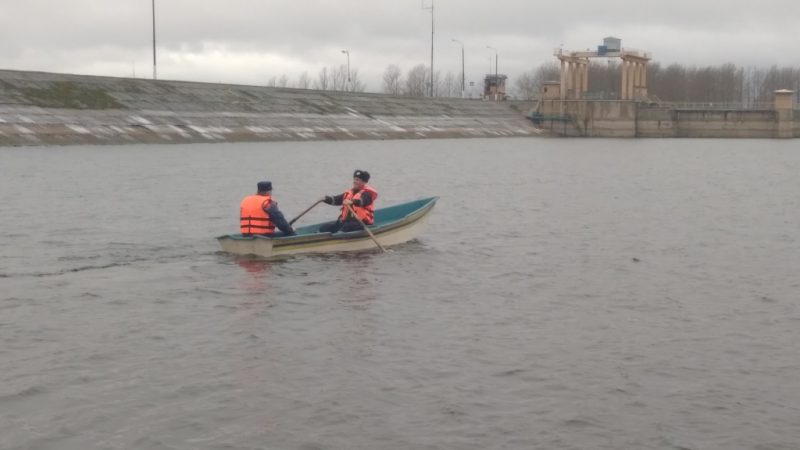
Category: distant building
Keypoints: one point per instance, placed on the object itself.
(550, 90)
(612, 44)
(494, 87)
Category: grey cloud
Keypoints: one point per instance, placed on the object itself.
(307, 34)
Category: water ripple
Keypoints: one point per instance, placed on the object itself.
(566, 294)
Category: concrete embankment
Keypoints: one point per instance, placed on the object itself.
(604, 118)
(57, 109)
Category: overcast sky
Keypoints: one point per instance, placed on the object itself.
(249, 41)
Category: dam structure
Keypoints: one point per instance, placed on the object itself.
(42, 109)
(566, 108)
(639, 119)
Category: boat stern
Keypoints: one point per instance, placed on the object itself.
(251, 245)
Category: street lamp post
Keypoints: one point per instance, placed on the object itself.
(348, 67)
(496, 81)
(432, 30)
(463, 90)
(154, 40)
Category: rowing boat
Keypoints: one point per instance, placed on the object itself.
(393, 225)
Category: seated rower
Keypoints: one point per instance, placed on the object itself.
(362, 199)
(259, 214)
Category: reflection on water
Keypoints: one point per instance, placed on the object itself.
(258, 273)
(254, 266)
(566, 294)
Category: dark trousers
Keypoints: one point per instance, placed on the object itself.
(344, 227)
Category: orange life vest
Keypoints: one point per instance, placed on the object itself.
(365, 213)
(252, 217)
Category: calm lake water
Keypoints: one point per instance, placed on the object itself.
(568, 294)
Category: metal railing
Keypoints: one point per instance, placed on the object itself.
(624, 51)
(719, 106)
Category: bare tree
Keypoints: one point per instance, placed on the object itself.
(525, 85)
(417, 81)
(272, 82)
(392, 79)
(605, 79)
(303, 81)
(323, 80)
(283, 81)
(750, 82)
(450, 87)
(339, 78)
(437, 83)
(530, 83)
(356, 85)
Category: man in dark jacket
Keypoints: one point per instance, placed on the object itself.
(361, 198)
(259, 214)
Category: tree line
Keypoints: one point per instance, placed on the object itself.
(414, 83)
(726, 83)
(417, 82)
(333, 78)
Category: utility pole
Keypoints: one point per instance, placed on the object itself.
(155, 76)
(431, 8)
(348, 68)
(463, 89)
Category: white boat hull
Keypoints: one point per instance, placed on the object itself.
(328, 243)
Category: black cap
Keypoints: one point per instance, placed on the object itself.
(264, 186)
(361, 174)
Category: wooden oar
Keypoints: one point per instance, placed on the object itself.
(304, 212)
(350, 207)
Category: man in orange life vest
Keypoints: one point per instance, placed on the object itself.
(361, 197)
(259, 214)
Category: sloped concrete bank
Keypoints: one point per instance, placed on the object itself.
(39, 108)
